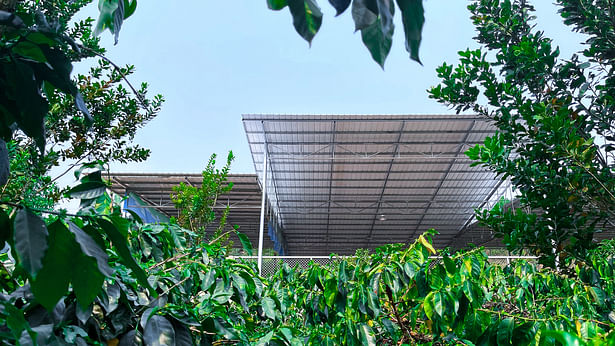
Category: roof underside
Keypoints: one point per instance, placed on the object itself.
(339, 183)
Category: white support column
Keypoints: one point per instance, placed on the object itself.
(262, 224)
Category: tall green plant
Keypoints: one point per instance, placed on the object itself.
(554, 120)
(197, 205)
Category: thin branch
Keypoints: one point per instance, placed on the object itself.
(53, 212)
(119, 70)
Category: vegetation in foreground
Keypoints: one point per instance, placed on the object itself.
(98, 277)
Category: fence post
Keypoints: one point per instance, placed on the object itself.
(262, 224)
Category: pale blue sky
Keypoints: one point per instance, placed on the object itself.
(215, 60)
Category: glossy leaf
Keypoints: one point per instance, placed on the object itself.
(87, 279)
(52, 281)
(413, 18)
(505, 331)
(245, 242)
(364, 13)
(276, 5)
(307, 17)
(269, 307)
(119, 241)
(222, 293)
(367, 336)
(30, 239)
(158, 332)
(90, 248)
(563, 337)
(87, 190)
(340, 5)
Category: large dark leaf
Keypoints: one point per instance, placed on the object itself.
(245, 242)
(340, 5)
(183, 336)
(377, 41)
(5, 228)
(30, 237)
(90, 248)
(121, 245)
(159, 332)
(413, 17)
(307, 17)
(378, 36)
(505, 331)
(87, 190)
(364, 13)
(31, 104)
(4, 163)
(52, 280)
(276, 5)
(87, 279)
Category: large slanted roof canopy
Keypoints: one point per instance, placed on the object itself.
(338, 183)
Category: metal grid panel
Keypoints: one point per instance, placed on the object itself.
(343, 182)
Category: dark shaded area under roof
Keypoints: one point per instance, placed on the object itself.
(156, 188)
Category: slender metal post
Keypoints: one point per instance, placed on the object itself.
(262, 225)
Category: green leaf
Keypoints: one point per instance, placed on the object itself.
(222, 293)
(377, 41)
(52, 280)
(87, 280)
(208, 280)
(227, 332)
(450, 265)
(563, 337)
(90, 248)
(428, 307)
(120, 243)
(269, 307)
(129, 8)
(32, 107)
(373, 303)
(87, 190)
(107, 9)
(30, 239)
(265, 339)
(598, 295)
(307, 17)
(245, 242)
(340, 5)
(413, 18)
(158, 332)
(439, 303)
(276, 5)
(29, 50)
(364, 13)
(330, 292)
(505, 331)
(5, 228)
(15, 319)
(366, 335)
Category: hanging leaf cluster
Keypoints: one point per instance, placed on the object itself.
(374, 18)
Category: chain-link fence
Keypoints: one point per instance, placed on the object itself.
(271, 264)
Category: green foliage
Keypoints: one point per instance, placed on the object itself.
(196, 205)
(398, 294)
(554, 137)
(374, 18)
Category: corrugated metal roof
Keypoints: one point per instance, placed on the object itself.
(342, 182)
